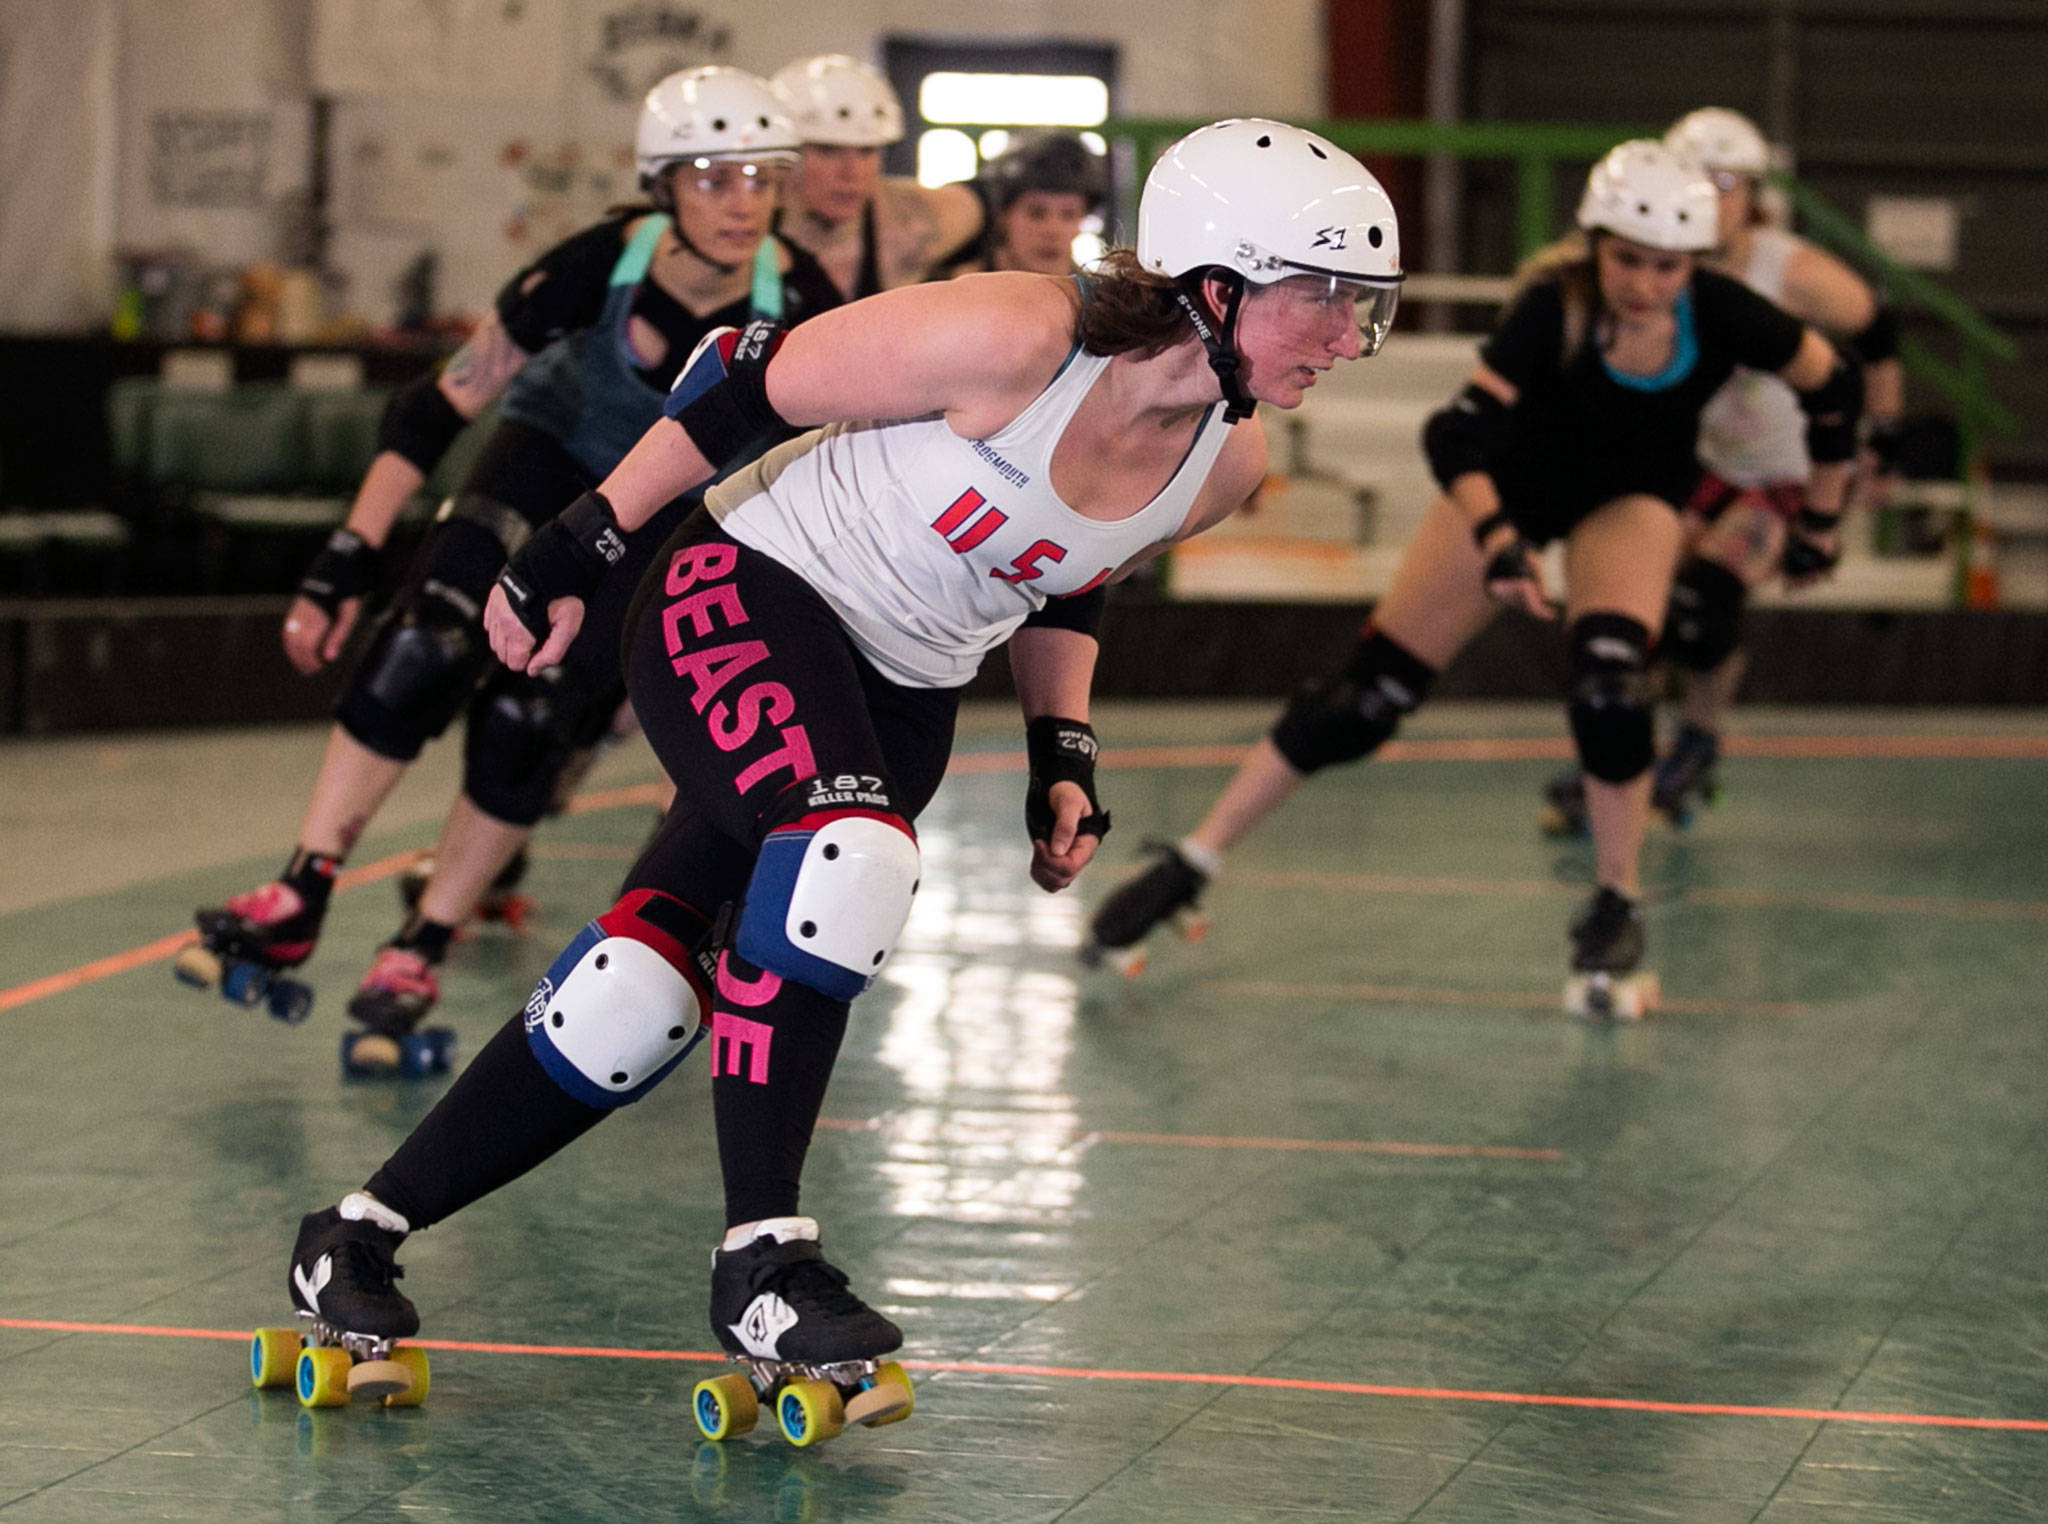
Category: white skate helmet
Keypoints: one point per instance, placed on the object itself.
(714, 114)
(1644, 192)
(1264, 201)
(1714, 137)
(839, 101)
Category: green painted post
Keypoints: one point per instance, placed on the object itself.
(1535, 184)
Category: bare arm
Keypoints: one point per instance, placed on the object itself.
(920, 224)
(975, 351)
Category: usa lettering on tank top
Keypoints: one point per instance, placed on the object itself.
(1752, 433)
(931, 548)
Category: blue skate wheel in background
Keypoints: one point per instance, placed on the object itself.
(290, 1001)
(245, 983)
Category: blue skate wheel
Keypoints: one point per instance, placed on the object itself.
(245, 983)
(290, 1001)
(442, 1041)
(415, 1055)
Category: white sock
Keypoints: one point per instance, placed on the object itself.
(1204, 860)
(781, 1229)
(360, 1206)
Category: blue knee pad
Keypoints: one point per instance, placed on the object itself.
(1610, 696)
(832, 886)
(624, 1002)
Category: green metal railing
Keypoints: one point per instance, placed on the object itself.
(1538, 149)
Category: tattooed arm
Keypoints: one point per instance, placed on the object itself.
(917, 226)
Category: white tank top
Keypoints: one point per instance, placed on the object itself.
(1752, 433)
(931, 548)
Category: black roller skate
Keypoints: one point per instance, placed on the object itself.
(391, 1002)
(1607, 944)
(1687, 773)
(1563, 811)
(1168, 890)
(246, 945)
(501, 900)
(803, 1342)
(351, 1312)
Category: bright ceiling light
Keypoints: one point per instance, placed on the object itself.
(1016, 100)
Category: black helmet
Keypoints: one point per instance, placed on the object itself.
(1053, 161)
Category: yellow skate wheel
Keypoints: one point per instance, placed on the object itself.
(196, 965)
(809, 1412)
(273, 1356)
(414, 1362)
(323, 1376)
(373, 1051)
(724, 1406)
(889, 1400)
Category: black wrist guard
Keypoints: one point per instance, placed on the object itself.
(1061, 751)
(1805, 555)
(420, 423)
(566, 558)
(344, 569)
(1511, 563)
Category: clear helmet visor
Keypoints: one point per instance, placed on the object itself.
(1366, 304)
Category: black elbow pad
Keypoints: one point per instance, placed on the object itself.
(1079, 612)
(1461, 437)
(419, 423)
(1879, 340)
(1832, 410)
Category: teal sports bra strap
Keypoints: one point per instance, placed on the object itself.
(766, 297)
(639, 251)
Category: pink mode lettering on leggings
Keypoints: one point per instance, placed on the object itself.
(741, 1038)
(711, 668)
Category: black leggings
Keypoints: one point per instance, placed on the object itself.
(745, 682)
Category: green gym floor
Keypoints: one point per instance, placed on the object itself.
(1332, 1215)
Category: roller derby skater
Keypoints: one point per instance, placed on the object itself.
(342, 1284)
(807, 724)
(1748, 521)
(247, 945)
(580, 351)
(1579, 425)
(390, 1005)
(1168, 891)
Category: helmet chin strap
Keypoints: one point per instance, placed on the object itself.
(658, 192)
(1220, 340)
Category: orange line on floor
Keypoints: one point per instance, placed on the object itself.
(1743, 899)
(171, 946)
(1515, 1000)
(1298, 1145)
(1192, 1378)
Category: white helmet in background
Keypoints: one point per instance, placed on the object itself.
(839, 101)
(713, 113)
(1716, 138)
(1264, 201)
(1644, 192)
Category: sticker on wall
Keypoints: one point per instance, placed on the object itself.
(641, 45)
(209, 158)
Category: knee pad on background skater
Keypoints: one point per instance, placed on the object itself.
(1349, 716)
(622, 1003)
(832, 886)
(1610, 696)
(417, 674)
(1703, 622)
(520, 737)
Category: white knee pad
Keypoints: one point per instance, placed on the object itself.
(828, 899)
(615, 1012)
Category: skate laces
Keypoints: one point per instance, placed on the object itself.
(401, 971)
(802, 1277)
(268, 903)
(371, 1262)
